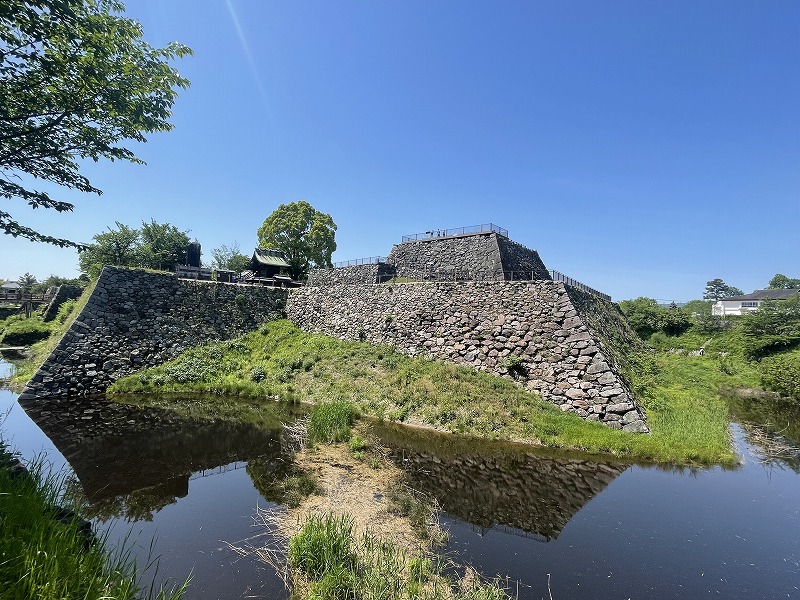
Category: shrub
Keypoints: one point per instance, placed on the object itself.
(65, 310)
(775, 326)
(782, 374)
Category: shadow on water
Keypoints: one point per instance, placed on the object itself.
(531, 491)
(132, 462)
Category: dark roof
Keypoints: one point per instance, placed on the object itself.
(766, 295)
(267, 257)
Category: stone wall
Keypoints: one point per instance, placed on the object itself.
(520, 262)
(351, 275)
(136, 319)
(63, 293)
(532, 332)
(462, 257)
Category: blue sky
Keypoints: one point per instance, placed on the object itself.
(641, 147)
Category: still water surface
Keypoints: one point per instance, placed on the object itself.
(593, 529)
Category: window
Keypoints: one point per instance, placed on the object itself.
(749, 304)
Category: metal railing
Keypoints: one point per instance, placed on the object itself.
(442, 233)
(370, 260)
(558, 276)
(423, 274)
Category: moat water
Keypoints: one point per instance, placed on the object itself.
(585, 526)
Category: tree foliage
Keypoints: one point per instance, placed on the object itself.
(230, 258)
(26, 283)
(154, 246)
(775, 326)
(162, 246)
(647, 317)
(782, 282)
(716, 289)
(305, 235)
(76, 81)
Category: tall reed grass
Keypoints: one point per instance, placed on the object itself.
(49, 559)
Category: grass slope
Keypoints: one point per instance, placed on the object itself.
(689, 421)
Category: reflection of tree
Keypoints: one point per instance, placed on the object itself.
(132, 462)
(771, 426)
(138, 505)
(281, 481)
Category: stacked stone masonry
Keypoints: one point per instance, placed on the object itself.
(136, 319)
(534, 332)
(548, 337)
(480, 257)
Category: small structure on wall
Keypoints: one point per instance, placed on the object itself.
(267, 262)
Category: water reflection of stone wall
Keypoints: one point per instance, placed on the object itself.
(493, 484)
(131, 462)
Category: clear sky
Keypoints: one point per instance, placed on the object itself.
(642, 147)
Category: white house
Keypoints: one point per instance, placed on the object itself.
(740, 305)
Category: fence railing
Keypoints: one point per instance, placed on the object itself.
(422, 274)
(370, 260)
(442, 233)
(558, 276)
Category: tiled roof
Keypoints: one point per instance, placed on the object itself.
(765, 295)
(273, 258)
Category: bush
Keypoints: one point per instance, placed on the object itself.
(646, 317)
(774, 327)
(25, 332)
(782, 374)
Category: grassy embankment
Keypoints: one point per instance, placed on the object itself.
(43, 558)
(689, 420)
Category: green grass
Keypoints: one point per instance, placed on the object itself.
(328, 561)
(688, 419)
(330, 422)
(45, 559)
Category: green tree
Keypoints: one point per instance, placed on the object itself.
(305, 235)
(647, 317)
(716, 289)
(162, 245)
(782, 282)
(55, 281)
(76, 82)
(118, 246)
(644, 315)
(26, 283)
(775, 326)
(230, 258)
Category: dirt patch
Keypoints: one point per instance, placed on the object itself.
(358, 488)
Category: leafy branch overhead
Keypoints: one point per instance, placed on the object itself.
(76, 81)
